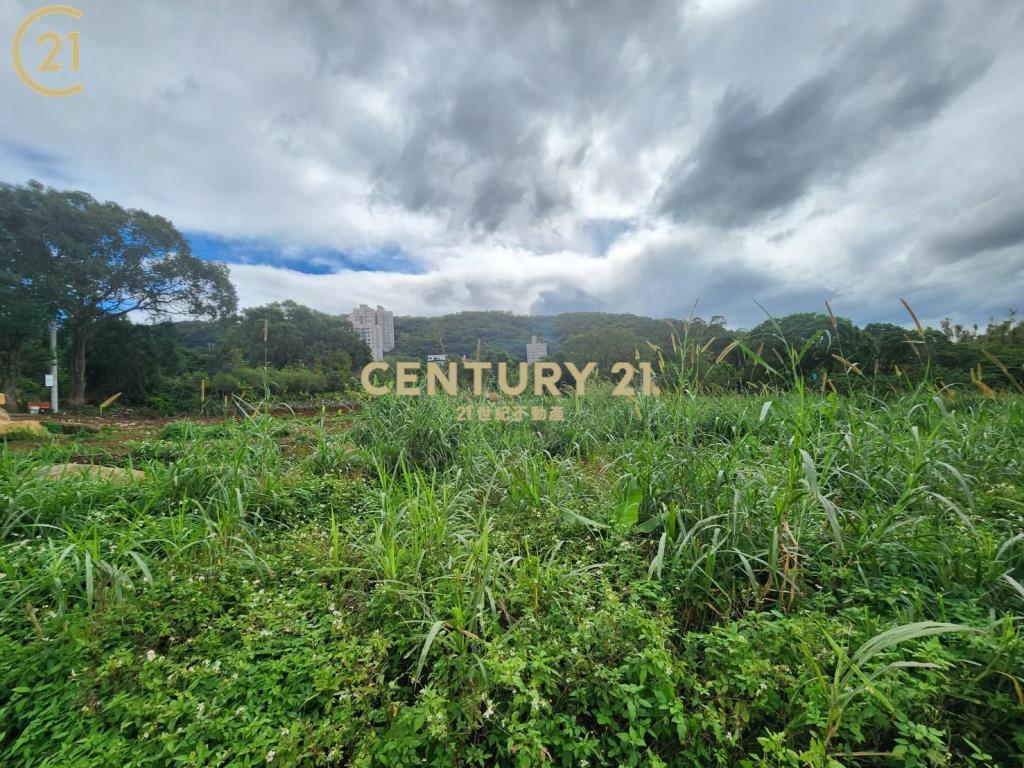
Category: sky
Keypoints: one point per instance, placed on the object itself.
(543, 157)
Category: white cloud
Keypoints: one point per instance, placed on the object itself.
(512, 154)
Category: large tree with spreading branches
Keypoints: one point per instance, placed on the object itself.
(82, 261)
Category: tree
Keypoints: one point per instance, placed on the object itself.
(606, 348)
(155, 356)
(297, 336)
(101, 261)
(896, 345)
(831, 336)
(24, 312)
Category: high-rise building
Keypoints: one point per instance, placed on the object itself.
(536, 350)
(376, 326)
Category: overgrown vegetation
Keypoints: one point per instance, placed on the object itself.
(778, 579)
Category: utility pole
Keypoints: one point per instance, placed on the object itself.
(53, 367)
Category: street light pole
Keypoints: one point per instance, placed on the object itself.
(53, 367)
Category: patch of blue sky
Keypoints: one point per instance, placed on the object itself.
(310, 261)
(603, 232)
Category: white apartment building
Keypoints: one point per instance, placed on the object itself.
(376, 326)
(536, 350)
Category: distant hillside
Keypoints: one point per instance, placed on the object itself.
(502, 332)
(457, 334)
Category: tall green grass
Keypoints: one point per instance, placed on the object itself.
(788, 577)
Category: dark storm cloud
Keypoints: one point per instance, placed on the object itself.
(993, 233)
(495, 195)
(511, 106)
(677, 279)
(754, 159)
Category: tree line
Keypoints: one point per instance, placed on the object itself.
(826, 350)
(114, 279)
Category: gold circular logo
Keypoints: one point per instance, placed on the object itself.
(50, 63)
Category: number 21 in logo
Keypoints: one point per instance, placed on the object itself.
(52, 62)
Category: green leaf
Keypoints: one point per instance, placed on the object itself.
(626, 512)
(434, 629)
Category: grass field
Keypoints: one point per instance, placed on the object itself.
(776, 580)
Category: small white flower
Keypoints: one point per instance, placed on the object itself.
(270, 756)
(150, 655)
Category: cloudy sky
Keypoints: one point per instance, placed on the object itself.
(556, 156)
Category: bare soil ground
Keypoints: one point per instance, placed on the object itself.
(119, 429)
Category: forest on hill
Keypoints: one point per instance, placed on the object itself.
(504, 332)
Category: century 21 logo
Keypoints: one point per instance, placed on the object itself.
(52, 62)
